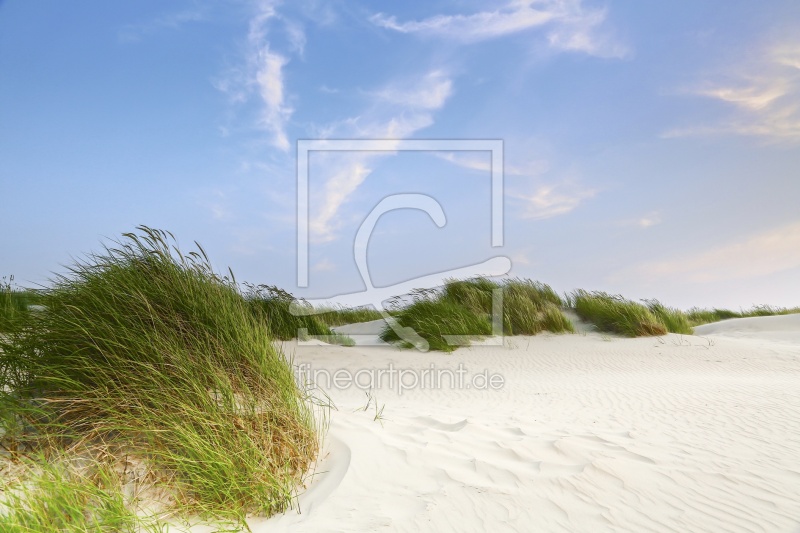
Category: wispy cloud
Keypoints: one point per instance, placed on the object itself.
(521, 259)
(552, 200)
(266, 67)
(397, 111)
(568, 25)
(349, 171)
(275, 113)
(296, 36)
(324, 265)
(763, 98)
(172, 21)
(481, 161)
(216, 202)
(430, 93)
(262, 76)
(756, 255)
(649, 220)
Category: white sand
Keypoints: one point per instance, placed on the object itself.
(590, 433)
(784, 328)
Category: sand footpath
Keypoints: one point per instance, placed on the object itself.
(588, 432)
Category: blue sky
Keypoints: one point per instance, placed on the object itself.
(650, 148)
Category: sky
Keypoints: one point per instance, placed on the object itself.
(650, 149)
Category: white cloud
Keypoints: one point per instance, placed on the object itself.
(350, 172)
(645, 221)
(216, 202)
(296, 35)
(475, 27)
(397, 112)
(648, 221)
(482, 162)
(757, 255)
(521, 259)
(275, 113)
(135, 32)
(759, 95)
(764, 99)
(548, 201)
(266, 70)
(570, 26)
(262, 76)
(430, 93)
(787, 54)
(323, 266)
(578, 32)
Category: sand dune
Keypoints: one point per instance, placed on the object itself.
(589, 433)
(785, 328)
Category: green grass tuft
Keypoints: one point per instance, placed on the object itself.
(55, 496)
(463, 309)
(615, 314)
(339, 316)
(433, 319)
(675, 320)
(14, 303)
(272, 306)
(698, 317)
(531, 307)
(148, 348)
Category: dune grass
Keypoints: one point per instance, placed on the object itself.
(615, 314)
(531, 307)
(145, 349)
(14, 303)
(675, 320)
(697, 316)
(433, 319)
(56, 496)
(272, 306)
(339, 316)
(462, 310)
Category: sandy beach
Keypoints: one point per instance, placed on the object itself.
(589, 432)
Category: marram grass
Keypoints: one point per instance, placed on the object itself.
(14, 303)
(149, 349)
(53, 495)
(435, 319)
(615, 314)
(463, 311)
(273, 307)
(699, 317)
(339, 316)
(675, 320)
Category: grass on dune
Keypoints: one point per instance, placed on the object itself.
(463, 309)
(58, 496)
(273, 307)
(615, 314)
(14, 303)
(530, 307)
(433, 319)
(147, 349)
(699, 317)
(675, 320)
(339, 316)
